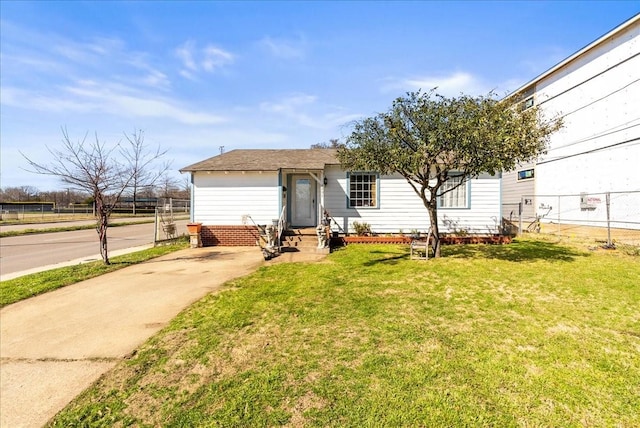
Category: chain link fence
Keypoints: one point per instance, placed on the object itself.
(609, 217)
(42, 211)
(168, 211)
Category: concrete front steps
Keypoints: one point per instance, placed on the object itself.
(302, 240)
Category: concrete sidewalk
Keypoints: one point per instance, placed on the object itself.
(55, 345)
(81, 260)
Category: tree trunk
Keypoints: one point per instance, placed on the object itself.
(432, 207)
(103, 222)
(135, 197)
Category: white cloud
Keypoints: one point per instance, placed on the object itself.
(119, 100)
(25, 99)
(153, 77)
(90, 53)
(22, 62)
(452, 84)
(291, 108)
(215, 58)
(106, 45)
(187, 75)
(156, 79)
(283, 48)
(33, 58)
(209, 59)
(289, 104)
(304, 110)
(185, 53)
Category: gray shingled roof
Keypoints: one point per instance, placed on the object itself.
(266, 160)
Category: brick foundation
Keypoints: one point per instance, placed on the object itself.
(229, 236)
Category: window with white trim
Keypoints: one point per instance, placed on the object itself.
(363, 190)
(456, 198)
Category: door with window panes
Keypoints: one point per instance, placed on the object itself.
(303, 201)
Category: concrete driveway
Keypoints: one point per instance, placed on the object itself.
(55, 345)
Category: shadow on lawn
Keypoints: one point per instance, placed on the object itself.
(517, 251)
(389, 259)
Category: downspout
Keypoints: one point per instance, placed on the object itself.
(193, 199)
(321, 208)
(280, 192)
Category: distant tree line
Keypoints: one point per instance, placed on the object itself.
(333, 143)
(33, 194)
(166, 187)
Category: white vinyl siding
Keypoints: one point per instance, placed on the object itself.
(401, 208)
(223, 199)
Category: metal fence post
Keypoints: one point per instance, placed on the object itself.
(608, 199)
(559, 214)
(520, 209)
(155, 227)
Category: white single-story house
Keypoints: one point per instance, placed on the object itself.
(596, 154)
(237, 190)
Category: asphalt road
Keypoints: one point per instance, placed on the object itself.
(70, 223)
(38, 251)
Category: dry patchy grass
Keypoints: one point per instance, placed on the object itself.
(531, 334)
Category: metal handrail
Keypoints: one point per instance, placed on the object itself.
(282, 225)
(327, 215)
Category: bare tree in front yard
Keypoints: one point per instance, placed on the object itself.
(94, 168)
(142, 160)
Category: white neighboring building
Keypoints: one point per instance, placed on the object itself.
(597, 92)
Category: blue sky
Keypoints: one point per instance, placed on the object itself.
(195, 76)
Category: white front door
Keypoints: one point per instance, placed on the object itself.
(303, 200)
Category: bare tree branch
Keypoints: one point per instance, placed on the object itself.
(94, 168)
(142, 161)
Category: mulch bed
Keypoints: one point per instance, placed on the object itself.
(446, 239)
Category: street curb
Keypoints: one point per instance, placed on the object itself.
(79, 261)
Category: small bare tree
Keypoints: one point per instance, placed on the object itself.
(91, 167)
(141, 160)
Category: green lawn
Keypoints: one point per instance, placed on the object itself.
(530, 334)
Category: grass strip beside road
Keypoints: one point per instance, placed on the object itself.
(67, 228)
(17, 289)
(529, 334)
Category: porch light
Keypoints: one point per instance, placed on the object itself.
(325, 181)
